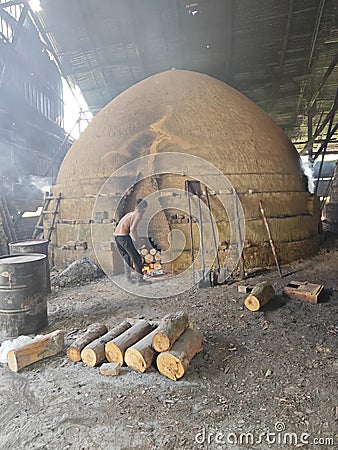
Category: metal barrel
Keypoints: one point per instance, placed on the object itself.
(23, 294)
(32, 246)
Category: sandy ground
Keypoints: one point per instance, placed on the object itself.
(264, 380)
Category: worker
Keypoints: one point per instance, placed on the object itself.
(124, 234)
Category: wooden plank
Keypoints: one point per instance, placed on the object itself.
(303, 290)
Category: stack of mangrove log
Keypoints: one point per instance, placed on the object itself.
(172, 342)
(151, 259)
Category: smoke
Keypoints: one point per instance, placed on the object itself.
(308, 172)
(41, 183)
(29, 191)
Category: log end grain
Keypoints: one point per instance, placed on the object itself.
(12, 362)
(113, 353)
(90, 357)
(161, 342)
(173, 364)
(137, 361)
(261, 294)
(73, 354)
(170, 366)
(171, 327)
(252, 303)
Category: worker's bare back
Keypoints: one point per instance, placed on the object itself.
(127, 223)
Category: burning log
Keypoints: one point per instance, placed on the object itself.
(174, 364)
(49, 345)
(115, 349)
(169, 330)
(94, 353)
(140, 356)
(261, 294)
(94, 331)
(146, 270)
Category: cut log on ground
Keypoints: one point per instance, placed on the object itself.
(116, 348)
(94, 331)
(261, 294)
(174, 364)
(93, 353)
(140, 356)
(169, 330)
(110, 369)
(49, 345)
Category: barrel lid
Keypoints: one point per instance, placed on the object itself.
(28, 242)
(22, 258)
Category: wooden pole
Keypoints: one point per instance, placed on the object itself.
(261, 294)
(93, 353)
(239, 237)
(49, 345)
(174, 364)
(192, 251)
(213, 229)
(270, 237)
(169, 330)
(115, 349)
(94, 331)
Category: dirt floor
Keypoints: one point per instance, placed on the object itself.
(264, 380)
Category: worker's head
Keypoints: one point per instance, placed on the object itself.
(141, 205)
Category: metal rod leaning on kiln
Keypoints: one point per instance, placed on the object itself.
(238, 236)
(261, 208)
(213, 231)
(191, 232)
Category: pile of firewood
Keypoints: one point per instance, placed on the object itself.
(152, 259)
(173, 342)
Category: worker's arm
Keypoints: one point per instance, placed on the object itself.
(133, 227)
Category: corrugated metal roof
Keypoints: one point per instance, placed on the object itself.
(275, 52)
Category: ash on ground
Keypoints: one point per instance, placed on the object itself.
(79, 272)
